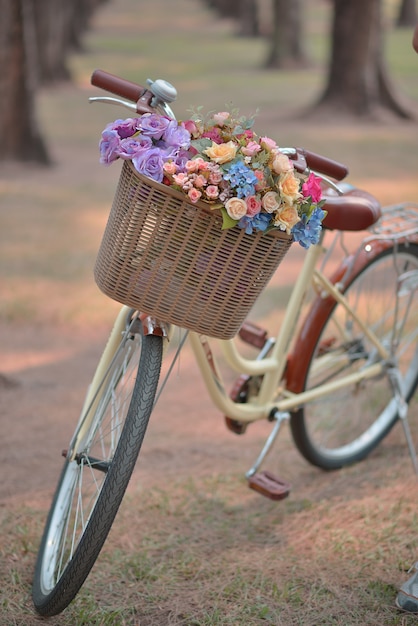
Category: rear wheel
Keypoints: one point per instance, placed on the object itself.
(94, 480)
(343, 427)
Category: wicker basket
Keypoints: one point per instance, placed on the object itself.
(171, 259)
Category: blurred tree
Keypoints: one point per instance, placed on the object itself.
(245, 12)
(358, 81)
(19, 130)
(407, 15)
(36, 37)
(286, 39)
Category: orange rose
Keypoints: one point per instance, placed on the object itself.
(287, 216)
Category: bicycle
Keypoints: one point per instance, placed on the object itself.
(342, 377)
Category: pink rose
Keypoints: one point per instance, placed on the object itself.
(268, 144)
(253, 206)
(262, 183)
(194, 194)
(199, 181)
(221, 117)
(215, 176)
(251, 148)
(212, 192)
(191, 127)
(312, 187)
(170, 168)
(180, 179)
(192, 166)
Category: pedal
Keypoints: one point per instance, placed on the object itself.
(253, 335)
(269, 485)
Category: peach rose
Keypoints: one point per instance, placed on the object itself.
(281, 163)
(287, 216)
(221, 152)
(236, 208)
(270, 202)
(289, 187)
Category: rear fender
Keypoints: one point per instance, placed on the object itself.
(299, 359)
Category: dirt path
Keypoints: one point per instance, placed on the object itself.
(45, 372)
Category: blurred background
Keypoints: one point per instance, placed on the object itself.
(336, 77)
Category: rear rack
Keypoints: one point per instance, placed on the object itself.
(398, 221)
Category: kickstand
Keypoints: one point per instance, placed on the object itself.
(403, 415)
(267, 483)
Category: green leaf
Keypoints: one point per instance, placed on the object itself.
(227, 222)
(201, 144)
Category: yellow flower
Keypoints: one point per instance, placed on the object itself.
(221, 153)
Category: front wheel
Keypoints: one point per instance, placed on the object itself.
(344, 426)
(96, 473)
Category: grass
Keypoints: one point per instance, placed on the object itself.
(199, 555)
(204, 551)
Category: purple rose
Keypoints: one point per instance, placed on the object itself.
(177, 135)
(130, 146)
(124, 128)
(150, 163)
(109, 146)
(153, 125)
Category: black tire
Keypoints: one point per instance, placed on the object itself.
(92, 486)
(344, 427)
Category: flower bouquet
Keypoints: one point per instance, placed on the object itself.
(221, 161)
(203, 215)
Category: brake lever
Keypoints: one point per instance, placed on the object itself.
(114, 101)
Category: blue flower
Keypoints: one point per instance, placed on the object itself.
(242, 179)
(307, 232)
(258, 222)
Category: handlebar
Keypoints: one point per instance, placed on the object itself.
(147, 99)
(118, 86)
(323, 164)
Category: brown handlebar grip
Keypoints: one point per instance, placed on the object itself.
(118, 86)
(323, 165)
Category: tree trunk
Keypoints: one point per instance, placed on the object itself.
(53, 20)
(21, 138)
(407, 13)
(249, 25)
(358, 80)
(286, 41)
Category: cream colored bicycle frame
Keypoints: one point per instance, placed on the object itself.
(270, 397)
